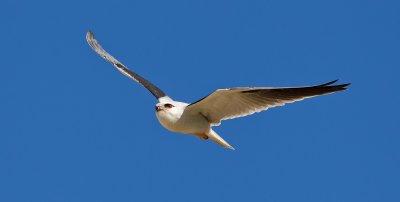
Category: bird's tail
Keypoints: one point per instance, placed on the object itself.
(218, 139)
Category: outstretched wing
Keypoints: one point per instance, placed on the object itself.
(158, 93)
(237, 102)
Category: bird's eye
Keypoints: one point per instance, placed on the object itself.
(168, 105)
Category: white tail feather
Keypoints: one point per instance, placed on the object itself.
(218, 139)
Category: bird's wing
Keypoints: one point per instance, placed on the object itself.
(158, 93)
(237, 102)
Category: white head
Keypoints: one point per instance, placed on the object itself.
(170, 109)
(169, 112)
(165, 107)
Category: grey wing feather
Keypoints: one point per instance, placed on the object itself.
(237, 102)
(158, 93)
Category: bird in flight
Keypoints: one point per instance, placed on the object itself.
(199, 117)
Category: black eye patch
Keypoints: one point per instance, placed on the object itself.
(168, 105)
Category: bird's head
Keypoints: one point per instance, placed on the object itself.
(170, 108)
(164, 107)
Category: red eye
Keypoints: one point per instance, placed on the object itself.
(168, 105)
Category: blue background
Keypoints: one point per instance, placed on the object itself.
(72, 128)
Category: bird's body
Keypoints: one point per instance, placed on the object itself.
(198, 118)
(176, 120)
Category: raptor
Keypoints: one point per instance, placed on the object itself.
(199, 117)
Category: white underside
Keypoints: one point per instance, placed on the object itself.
(195, 124)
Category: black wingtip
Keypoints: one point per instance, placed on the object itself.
(344, 86)
(339, 87)
(329, 83)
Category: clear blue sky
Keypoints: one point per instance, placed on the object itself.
(72, 128)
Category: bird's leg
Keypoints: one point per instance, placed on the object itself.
(202, 136)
